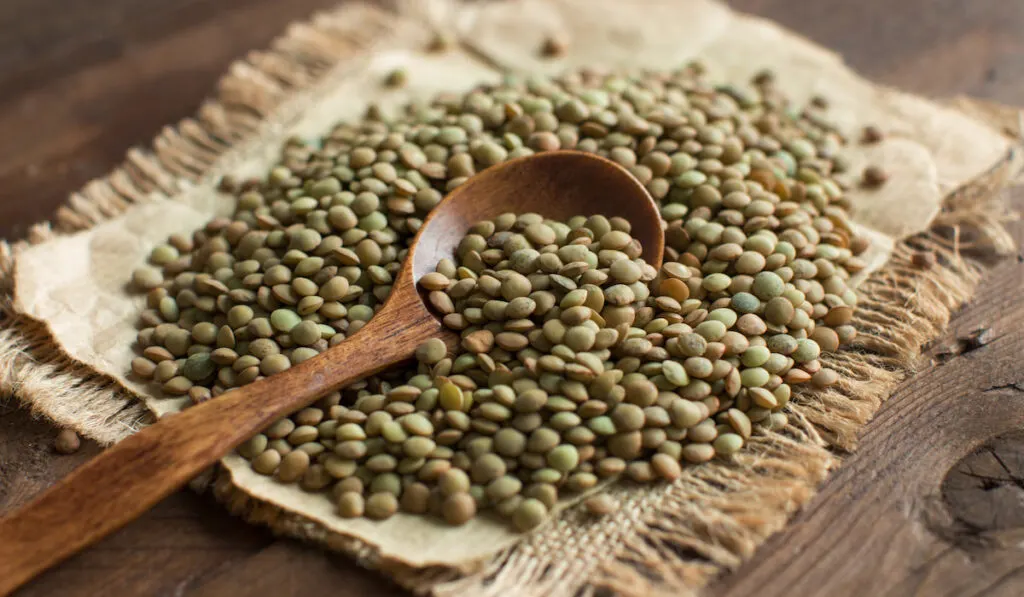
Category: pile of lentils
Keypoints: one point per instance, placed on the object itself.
(578, 362)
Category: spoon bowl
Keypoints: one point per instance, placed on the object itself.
(558, 185)
(117, 486)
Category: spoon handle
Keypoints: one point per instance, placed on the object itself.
(130, 477)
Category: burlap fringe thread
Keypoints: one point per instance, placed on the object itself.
(671, 540)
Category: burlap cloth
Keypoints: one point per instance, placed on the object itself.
(69, 324)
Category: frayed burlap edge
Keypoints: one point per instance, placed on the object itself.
(664, 540)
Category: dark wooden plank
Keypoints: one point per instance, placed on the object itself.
(183, 537)
(81, 82)
(28, 462)
(288, 568)
(934, 47)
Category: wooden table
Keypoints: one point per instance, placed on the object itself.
(81, 82)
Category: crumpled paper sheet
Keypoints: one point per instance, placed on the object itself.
(77, 284)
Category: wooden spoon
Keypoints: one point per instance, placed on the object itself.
(130, 477)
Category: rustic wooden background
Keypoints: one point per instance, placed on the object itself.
(932, 504)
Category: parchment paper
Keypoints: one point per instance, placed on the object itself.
(76, 284)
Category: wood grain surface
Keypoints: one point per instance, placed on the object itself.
(931, 504)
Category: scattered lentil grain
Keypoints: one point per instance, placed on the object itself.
(874, 177)
(67, 442)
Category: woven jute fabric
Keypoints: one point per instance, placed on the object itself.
(665, 539)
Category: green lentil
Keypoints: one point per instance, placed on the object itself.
(351, 505)
(458, 508)
(381, 506)
(530, 513)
